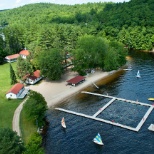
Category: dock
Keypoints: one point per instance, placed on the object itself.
(151, 127)
(95, 85)
(94, 116)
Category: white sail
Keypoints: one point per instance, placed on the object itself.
(138, 74)
(63, 123)
(98, 139)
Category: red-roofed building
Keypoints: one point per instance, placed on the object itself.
(12, 58)
(24, 53)
(76, 80)
(32, 79)
(17, 91)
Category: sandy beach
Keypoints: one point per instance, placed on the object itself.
(56, 92)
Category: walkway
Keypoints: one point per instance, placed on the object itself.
(16, 118)
(94, 117)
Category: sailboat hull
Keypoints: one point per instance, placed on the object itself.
(99, 143)
(63, 123)
(151, 99)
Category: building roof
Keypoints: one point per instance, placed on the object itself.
(15, 56)
(76, 79)
(24, 52)
(35, 75)
(16, 88)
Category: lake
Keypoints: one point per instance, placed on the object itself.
(80, 131)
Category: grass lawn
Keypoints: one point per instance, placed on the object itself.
(7, 107)
(27, 127)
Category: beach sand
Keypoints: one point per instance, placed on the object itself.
(56, 92)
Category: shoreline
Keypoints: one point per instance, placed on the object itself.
(56, 92)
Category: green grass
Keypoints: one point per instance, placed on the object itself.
(7, 107)
(27, 127)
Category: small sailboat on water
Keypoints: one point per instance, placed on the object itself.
(98, 139)
(63, 123)
(138, 74)
(151, 99)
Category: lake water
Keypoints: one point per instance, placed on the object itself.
(80, 131)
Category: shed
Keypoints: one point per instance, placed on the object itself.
(76, 80)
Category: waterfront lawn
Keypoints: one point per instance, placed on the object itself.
(7, 107)
(27, 127)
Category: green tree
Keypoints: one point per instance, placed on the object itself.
(115, 56)
(35, 107)
(10, 142)
(12, 75)
(34, 145)
(89, 53)
(24, 67)
(50, 64)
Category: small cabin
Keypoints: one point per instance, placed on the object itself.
(76, 80)
(32, 79)
(17, 91)
(24, 53)
(11, 58)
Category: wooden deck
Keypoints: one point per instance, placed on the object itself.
(94, 117)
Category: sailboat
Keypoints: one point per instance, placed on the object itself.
(63, 123)
(98, 139)
(138, 74)
(151, 99)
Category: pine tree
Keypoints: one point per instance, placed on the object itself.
(12, 75)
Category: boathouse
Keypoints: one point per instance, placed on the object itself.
(76, 80)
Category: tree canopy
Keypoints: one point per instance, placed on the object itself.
(50, 64)
(10, 142)
(35, 107)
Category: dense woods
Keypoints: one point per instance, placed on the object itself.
(49, 27)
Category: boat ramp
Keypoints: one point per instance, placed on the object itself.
(94, 116)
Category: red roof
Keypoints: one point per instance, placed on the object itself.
(24, 52)
(35, 75)
(76, 79)
(12, 56)
(16, 88)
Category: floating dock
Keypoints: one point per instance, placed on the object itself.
(94, 117)
(151, 127)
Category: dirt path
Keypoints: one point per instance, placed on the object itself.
(16, 118)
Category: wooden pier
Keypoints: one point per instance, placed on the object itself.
(94, 117)
(116, 98)
(103, 108)
(98, 119)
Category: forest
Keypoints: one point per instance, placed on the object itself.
(44, 27)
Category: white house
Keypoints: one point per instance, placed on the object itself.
(12, 58)
(17, 91)
(24, 53)
(32, 79)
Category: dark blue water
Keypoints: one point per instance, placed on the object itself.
(78, 136)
